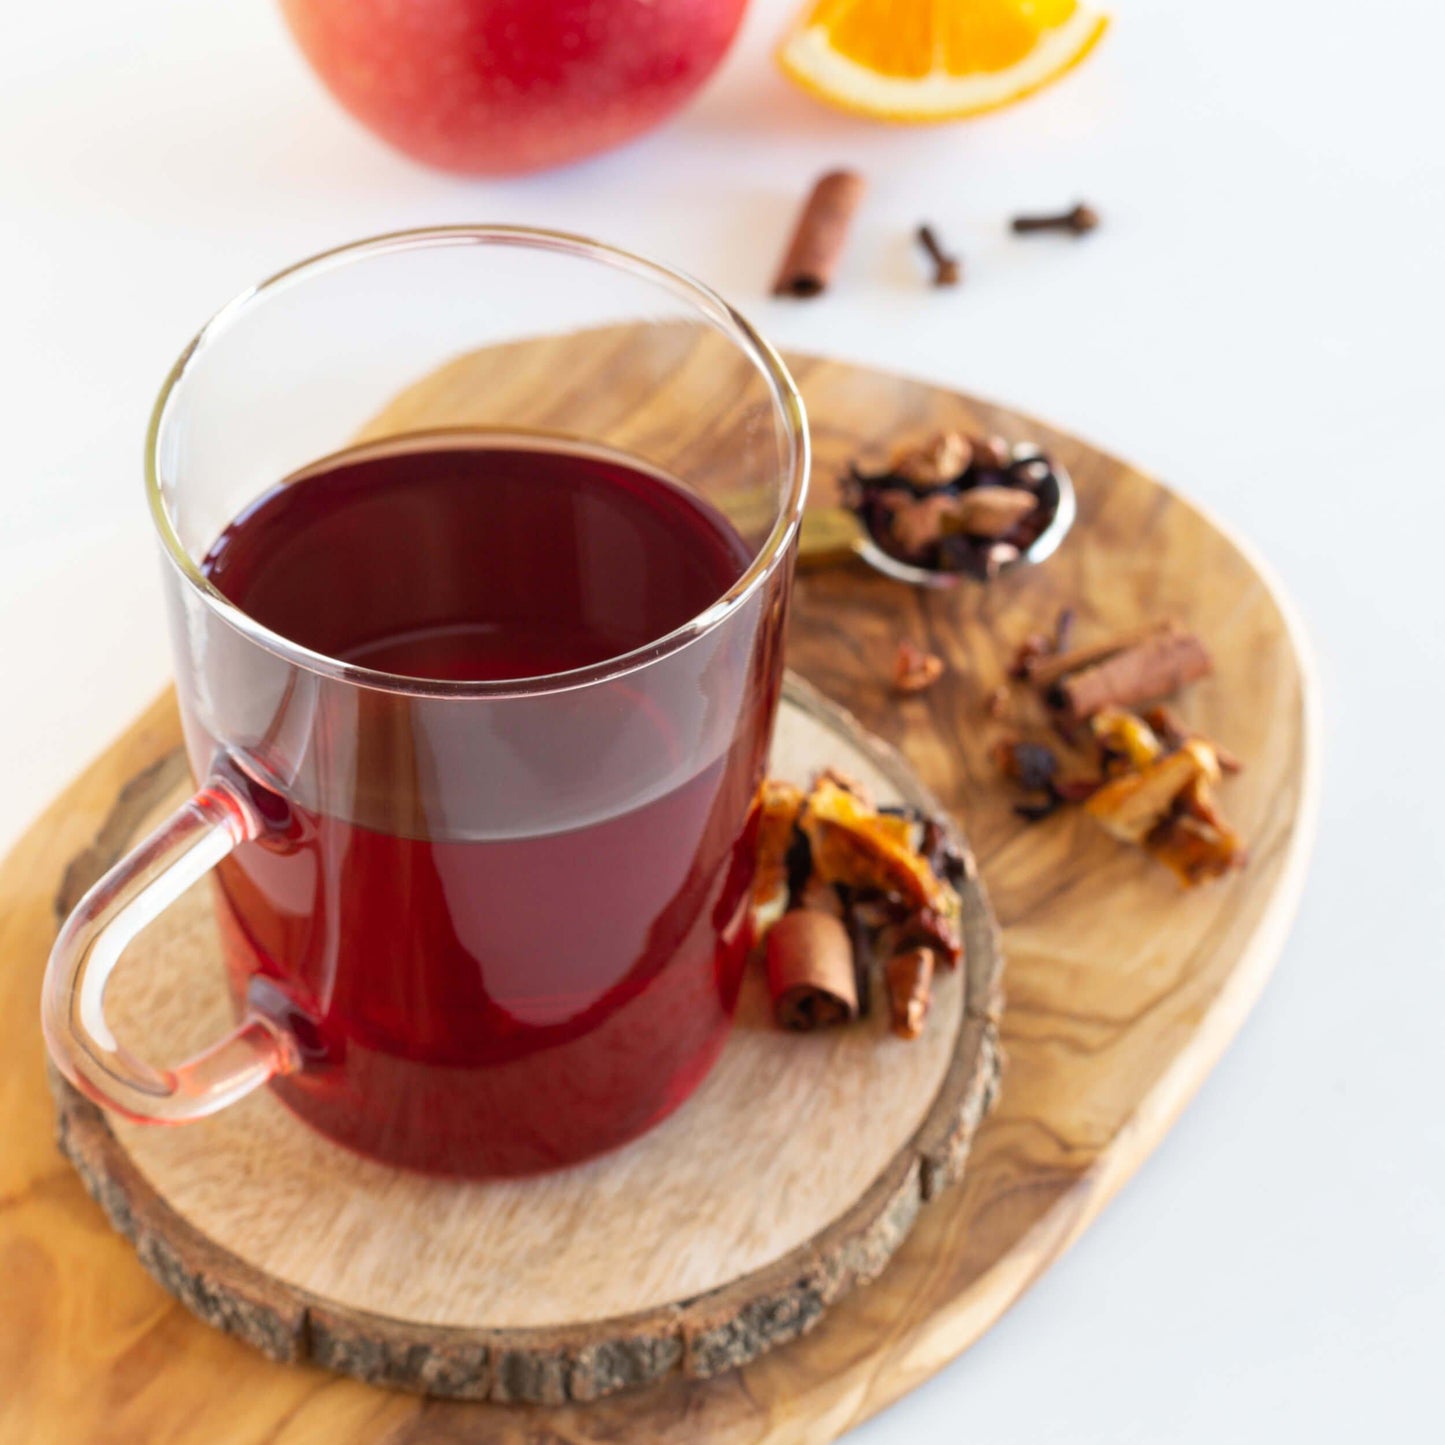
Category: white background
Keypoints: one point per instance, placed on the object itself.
(1258, 322)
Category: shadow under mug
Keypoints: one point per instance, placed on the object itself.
(478, 928)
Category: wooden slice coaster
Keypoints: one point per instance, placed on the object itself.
(792, 1175)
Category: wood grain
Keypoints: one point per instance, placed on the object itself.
(791, 1176)
(1123, 993)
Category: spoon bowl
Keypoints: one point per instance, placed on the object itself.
(834, 534)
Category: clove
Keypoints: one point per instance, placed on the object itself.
(947, 270)
(1078, 222)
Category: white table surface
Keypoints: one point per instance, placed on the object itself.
(1258, 321)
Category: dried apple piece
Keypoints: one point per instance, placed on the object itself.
(1196, 850)
(1132, 806)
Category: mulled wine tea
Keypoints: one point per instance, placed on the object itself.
(476, 714)
(476, 992)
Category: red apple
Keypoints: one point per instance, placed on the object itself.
(498, 87)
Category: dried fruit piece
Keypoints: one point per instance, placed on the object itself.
(1126, 734)
(944, 856)
(779, 806)
(1033, 766)
(1196, 841)
(1174, 732)
(849, 782)
(1132, 806)
(1196, 850)
(926, 928)
(916, 526)
(914, 669)
(857, 848)
(1197, 801)
(1077, 790)
(991, 511)
(993, 452)
(910, 990)
(942, 459)
(896, 827)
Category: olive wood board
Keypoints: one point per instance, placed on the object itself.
(1122, 990)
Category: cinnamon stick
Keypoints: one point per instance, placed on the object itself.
(1151, 669)
(810, 971)
(812, 255)
(910, 990)
(1045, 669)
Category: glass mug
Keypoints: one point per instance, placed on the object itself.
(471, 927)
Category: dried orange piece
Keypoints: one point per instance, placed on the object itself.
(1127, 734)
(778, 805)
(855, 846)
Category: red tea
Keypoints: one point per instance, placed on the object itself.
(490, 999)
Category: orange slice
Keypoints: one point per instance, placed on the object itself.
(927, 60)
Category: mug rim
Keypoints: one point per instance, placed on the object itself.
(787, 402)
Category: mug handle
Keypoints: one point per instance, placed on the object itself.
(201, 832)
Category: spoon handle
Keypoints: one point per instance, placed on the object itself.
(828, 535)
